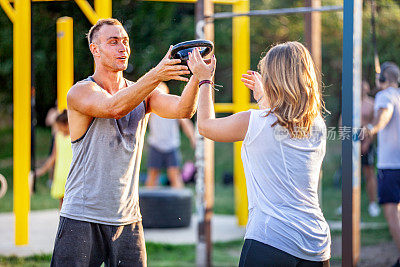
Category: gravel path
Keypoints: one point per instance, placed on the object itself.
(381, 255)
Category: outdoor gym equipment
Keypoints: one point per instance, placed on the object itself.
(181, 51)
(19, 13)
(165, 207)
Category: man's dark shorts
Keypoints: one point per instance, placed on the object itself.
(80, 243)
(368, 159)
(162, 160)
(389, 186)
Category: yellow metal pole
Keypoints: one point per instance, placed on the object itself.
(87, 9)
(241, 99)
(103, 8)
(8, 9)
(22, 117)
(65, 60)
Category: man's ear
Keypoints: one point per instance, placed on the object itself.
(94, 48)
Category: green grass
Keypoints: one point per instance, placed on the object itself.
(41, 199)
(158, 255)
(224, 254)
(32, 261)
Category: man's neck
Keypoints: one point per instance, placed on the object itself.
(392, 85)
(110, 81)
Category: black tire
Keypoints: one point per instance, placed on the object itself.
(165, 207)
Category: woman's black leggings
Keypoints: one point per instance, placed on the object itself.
(257, 254)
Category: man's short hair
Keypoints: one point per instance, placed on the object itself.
(91, 35)
(391, 72)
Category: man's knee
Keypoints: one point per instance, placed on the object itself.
(391, 212)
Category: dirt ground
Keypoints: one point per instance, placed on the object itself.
(380, 255)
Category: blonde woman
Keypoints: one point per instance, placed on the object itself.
(282, 152)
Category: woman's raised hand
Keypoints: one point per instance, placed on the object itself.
(200, 69)
(253, 81)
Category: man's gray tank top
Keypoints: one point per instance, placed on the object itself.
(102, 185)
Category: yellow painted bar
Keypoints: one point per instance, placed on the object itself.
(223, 2)
(65, 60)
(11, 1)
(22, 118)
(8, 9)
(226, 2)
(88, 11)
(103, 8)
(229, 107)
(224, 107)
(253, 106)
(241, 99)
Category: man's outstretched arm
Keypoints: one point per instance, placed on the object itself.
(172, 106)
(89, 99)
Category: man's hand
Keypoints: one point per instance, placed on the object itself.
(168, 69)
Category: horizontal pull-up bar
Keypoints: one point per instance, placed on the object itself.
(274, 12)
(224, 2)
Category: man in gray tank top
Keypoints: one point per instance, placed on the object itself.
(100, 218)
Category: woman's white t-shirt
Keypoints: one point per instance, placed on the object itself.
(282, 176)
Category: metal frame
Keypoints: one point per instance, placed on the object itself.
(65, 60)
(275, 12)
(351, 106)
(20, 16)
(351, 118)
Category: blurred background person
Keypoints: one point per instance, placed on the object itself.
(386, 124)
(60, 157)
(163, 143)
(50, 121)
(368, 151)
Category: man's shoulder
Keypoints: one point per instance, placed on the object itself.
(394, 91)
(390, 93)
(382, 93)
(82, 86)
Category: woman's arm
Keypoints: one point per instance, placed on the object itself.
(49, 162)
(228, 129)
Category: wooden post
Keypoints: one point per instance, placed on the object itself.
(205, 162)
(312, 34)
(312, 30)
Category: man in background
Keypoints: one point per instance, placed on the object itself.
(164, 142)
(386, 124)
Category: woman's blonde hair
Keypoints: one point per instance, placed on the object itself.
(292, 87)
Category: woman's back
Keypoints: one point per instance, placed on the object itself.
(282, 176)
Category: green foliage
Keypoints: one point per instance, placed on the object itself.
(153, 26)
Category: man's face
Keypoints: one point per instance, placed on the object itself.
(112, 47)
